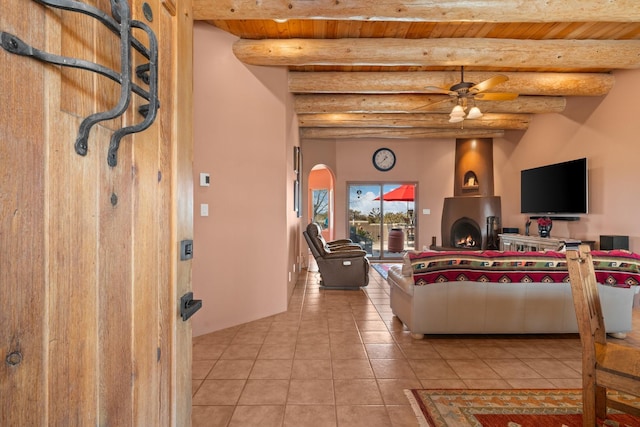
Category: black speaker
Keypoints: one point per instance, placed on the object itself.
(608, 243)
(512, 230)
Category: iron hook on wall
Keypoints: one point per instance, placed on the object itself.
(120, 23)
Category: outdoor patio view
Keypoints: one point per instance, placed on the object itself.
(382, 218)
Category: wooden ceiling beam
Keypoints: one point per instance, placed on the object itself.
(405, 103)
(525, 83)
(507, 53)
(438, 121)
(396, 133)
(422, 10)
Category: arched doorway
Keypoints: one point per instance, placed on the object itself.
(320, 199)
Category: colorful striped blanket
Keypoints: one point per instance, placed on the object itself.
(615, 268)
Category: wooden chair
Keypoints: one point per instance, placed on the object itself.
(604, 365)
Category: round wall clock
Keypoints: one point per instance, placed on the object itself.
(384, 159)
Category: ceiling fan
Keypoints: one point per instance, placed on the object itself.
(465, 91)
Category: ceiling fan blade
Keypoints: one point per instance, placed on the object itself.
(496, 96)
(489, 83)
(436, 89)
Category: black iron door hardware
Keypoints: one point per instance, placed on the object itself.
(120, 24)
(189, 306)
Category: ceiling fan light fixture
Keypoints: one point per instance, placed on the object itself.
(457, 111)
(456, 119)
(474, 113)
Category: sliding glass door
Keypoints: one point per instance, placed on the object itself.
(382, 218)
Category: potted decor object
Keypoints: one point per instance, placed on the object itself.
(544, 226)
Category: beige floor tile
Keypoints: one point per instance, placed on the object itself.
(371, 325)
(348, 351)
(277, 351)
(529, 383)
(313, 391)
(281, 338)
(420, 351)
(276, 369)
(312, 351)
(211, 416)
(384, 351)
(448, 383)
(310, 416)
(402, 416)
(392, 368)
(241, 351)
(249, 337)
(472, 369)
(207, 351)
(312, 369)
(512, 368)
(219, 392)
(392, 390)
(264, 392)
(357, 392)
(551, 368)
(195, 385)
(351, 368)
(487, 384)
(363, 416)
(200, 369)
(231, 370)
(345, 337)
(432, 369)
(258, 415)
(376, 337)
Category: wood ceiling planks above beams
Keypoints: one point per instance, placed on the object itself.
(422, 10)
(550, 84)
(562, 55)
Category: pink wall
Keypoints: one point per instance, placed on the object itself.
(244, 131)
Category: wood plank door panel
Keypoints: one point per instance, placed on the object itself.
(90, 276)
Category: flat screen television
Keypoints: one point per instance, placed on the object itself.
(556, 189)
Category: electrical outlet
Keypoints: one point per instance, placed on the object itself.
(204, 209)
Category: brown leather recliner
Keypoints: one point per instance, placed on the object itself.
(342, 264)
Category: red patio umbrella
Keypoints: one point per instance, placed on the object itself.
(404, 193)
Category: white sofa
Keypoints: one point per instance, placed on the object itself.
(476, 307)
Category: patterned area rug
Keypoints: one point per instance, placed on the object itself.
(381, 268)
(505, 408)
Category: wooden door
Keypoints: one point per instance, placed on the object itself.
(90, 274)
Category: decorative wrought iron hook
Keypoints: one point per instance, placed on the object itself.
(120, 24)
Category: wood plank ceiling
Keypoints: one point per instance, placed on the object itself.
(368, 68)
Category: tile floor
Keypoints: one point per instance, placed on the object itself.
(340, 358)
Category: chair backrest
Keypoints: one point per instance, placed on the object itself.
(315, 234)
(312, 245)
(314, 240)
(584, 289)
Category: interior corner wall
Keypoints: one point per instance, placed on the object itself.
(243, 140)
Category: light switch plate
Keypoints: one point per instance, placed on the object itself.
(204, 209)
(204, 179)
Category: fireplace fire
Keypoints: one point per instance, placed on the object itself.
(467, 242)
(465, 233)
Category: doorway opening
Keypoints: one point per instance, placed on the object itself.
(381, 218)
(320, 197)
